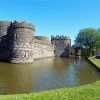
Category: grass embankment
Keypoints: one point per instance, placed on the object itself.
(95, 61)
(87, 92)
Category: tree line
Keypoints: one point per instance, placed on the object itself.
(88, 40)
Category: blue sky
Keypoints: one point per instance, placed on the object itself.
(53, 17)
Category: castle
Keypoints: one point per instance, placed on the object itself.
(18, 43)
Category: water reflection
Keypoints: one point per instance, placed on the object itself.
(45, 74)
(72, 79)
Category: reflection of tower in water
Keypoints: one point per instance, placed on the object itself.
(17, 78)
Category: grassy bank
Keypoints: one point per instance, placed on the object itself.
(95, 61)
(87, 92)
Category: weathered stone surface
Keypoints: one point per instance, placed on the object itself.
(62, 44)
(19, 45)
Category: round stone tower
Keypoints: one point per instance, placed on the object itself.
(21, 33)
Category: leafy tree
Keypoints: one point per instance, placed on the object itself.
(97, 44)
(87, 38)
(98, 30)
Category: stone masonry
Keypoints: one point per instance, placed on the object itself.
(18, 43)
(62, 45)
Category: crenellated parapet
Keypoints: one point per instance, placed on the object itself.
(62, 44)
(23, 24)
(61, 37)
(59, 40)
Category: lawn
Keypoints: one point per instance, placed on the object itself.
(87, 92)
(95, 61)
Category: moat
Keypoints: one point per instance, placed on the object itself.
(46, 74)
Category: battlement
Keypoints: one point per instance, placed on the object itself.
(60, 37)
(23, 24)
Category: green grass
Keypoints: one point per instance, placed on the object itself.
(87, 92)
(95, 61)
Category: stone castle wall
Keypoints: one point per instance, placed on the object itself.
(43, 50)
(19, 45)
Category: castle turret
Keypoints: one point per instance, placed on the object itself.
(21, 33)
(62, 44)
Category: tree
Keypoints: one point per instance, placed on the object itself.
(98, 30)
(97, 44)
(87, 38)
